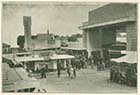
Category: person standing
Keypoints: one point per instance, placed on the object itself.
(74, 71)
(91, 61)
(68, 69)
(43, 75)
(71, 72)
(58, 68)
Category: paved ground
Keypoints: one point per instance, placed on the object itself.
(88, 81)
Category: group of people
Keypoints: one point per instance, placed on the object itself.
(101, 59)
(80, 61)
(124, 74)
(70, 68)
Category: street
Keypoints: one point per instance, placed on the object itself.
(87, 81)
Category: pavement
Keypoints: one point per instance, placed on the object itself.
(87, 81)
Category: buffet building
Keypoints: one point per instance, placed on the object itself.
(105, 22)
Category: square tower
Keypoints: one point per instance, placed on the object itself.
(27, 32)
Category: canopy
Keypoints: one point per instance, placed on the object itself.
(130, 57)
(65, 56)
(73, 48)
(29, 58)
(23, 53)
(17, 78)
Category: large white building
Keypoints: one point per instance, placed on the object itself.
(105, 22)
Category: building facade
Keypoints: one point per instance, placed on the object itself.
(105, 22)
(45, 41)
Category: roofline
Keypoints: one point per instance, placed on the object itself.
(107, 23)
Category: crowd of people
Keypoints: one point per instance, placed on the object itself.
(124, 73)
(99, 60)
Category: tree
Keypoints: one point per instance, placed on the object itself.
(74, 37)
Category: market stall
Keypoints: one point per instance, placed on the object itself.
(124, 69)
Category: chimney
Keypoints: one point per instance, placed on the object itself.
(27, 32)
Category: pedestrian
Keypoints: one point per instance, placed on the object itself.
(91, 61)
(58, 68)
(111, 73)
(43, 75)
(74, 70)
(71, 72)
(68, 69)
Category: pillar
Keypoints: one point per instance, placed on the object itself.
(84, 38)
(88, 42)
(131, 30)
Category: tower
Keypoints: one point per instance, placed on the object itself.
(27, 32)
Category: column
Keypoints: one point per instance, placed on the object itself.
(88, 42)
(100, 38)
(84, 38)
(131, 30)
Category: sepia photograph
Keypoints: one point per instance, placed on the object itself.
(69, 47)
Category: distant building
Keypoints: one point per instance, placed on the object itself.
(39, 41)
(15, 49)
(45, 41)
(105, 22)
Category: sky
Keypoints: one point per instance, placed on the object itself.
(59, 18)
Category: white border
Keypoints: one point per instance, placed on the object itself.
(73, 1)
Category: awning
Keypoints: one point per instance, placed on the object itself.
(108, 23)
(55, 56)
(29, 58)
(130, 57)
(23, 53)
(17, 78)
(73, 48)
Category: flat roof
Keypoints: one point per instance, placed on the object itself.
(107, 23)
(29, 58)
(73, 48)
(23, 53)
(45, 48)
(61, 56)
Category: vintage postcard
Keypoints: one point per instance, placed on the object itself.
(69, 47)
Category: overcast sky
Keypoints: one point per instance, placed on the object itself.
(59, 18)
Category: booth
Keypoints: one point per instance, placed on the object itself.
(124, 69)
